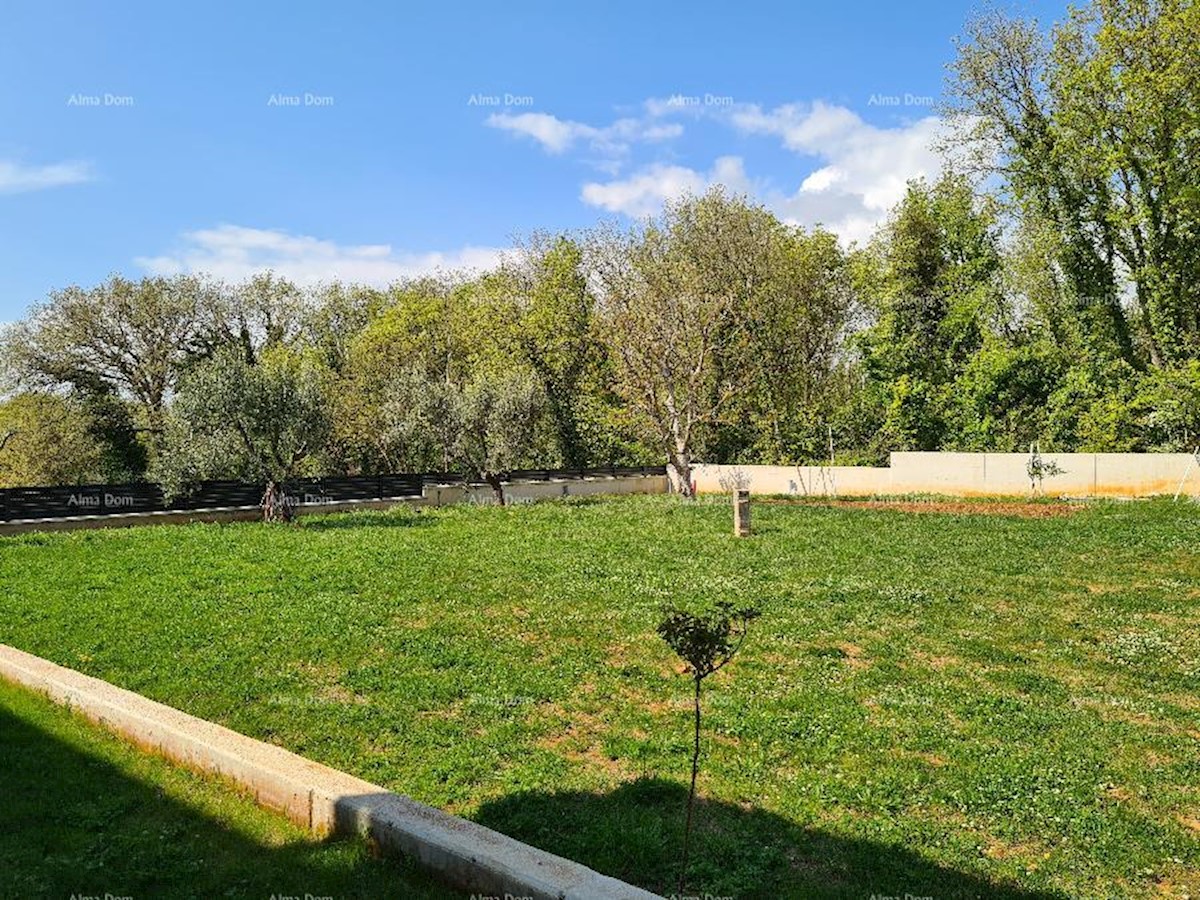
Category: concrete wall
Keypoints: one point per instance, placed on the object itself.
(460, 852)
(819, 481)
(969, 474)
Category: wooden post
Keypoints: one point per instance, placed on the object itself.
(741, 513)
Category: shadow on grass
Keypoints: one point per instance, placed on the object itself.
(635, 833)
(74, 823)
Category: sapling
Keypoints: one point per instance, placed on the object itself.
(1040, 469)
(706, 642)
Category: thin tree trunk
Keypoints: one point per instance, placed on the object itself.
(687, 828)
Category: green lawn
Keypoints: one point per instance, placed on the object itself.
(946, 705)
(84, 814)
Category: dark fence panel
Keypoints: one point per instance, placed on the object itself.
(400, 486)
(442, 478)
(79, 500)
(219, 495)
(117, 499)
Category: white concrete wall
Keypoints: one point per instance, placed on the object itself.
(820, 481)
(969, 474)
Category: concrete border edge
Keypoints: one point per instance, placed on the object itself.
(462, 853)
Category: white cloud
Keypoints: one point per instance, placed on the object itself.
(644, 192)
(558, 135)
(865, 171)
(16, 178)
(234, 252)
(856, 172)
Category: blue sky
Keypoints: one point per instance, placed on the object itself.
(369, 141)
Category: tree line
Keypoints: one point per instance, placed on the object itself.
(1045, 289)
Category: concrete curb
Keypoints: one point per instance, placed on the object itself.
(324, 800)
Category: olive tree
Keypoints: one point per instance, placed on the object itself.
(257, 422)
(485, 426)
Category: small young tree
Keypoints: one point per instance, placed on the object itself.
(706, 642)
(1040, 469)
(258, 422)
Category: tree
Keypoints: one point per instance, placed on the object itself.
(673, 295)
(335, 315)
(497, 421)
(1094, 132)
(46, 439)
(934, 291)
(256, 315)
(706, 643)
(484, 427)
(133, 337)
(435, 328)
(258, 422)
(796, 332)
(545, 296)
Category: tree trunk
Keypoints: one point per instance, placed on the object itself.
(679, 471)
(276, 505)
(687, 828)
(497, 486)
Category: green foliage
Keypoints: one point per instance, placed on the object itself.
(46, 439)
(253, 421)
(706, 641)
(1046, 288)
(1094, 130)
(544, 297)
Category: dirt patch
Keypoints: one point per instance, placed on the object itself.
(948, 507)
(577, 736)
(854, 655)
(1190, 822)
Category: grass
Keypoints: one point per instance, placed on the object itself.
(931, 704)
(85, 814)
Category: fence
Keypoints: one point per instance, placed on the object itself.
(26, 503)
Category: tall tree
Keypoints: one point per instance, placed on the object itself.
(545, 296)
(672, 299)
(934, 291)
(796, 330)
(134, 337)
(1095, 133)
